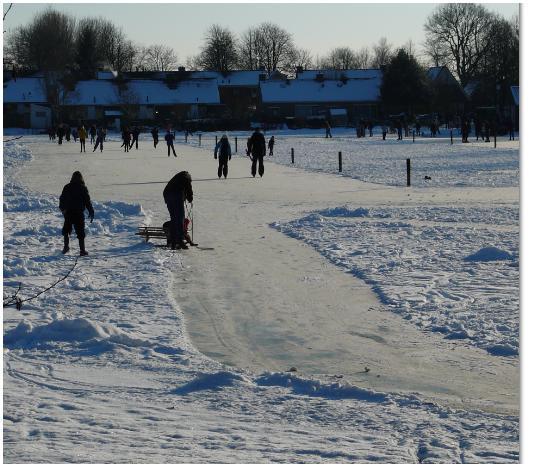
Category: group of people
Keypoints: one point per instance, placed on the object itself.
(97, 135)
(75, 198)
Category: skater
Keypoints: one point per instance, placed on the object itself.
(271, 143)
(223, 150)
(73, 201)
(169, 138)
(75, 134)
(155, 135)
(82, 137)
(134, 140)
(178, 190)
(60, 132)
(100, 138)
(93, 132)
(257, 148)
(464, 129)
(328, 130)
(399, 130)
(68, 133)
(126, 138)
(384, 131)
(511, 129)
(52, 134)
(370, 126)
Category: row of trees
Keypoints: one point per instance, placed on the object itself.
(54, 41)
(476, 44)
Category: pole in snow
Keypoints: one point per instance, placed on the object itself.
(451, 132)
(200, 139)
(292, 154)
(236, 140)
(340, 161)
(408, 172)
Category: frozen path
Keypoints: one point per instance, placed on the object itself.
(262, 300)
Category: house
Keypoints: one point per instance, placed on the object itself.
(318, 94)
(25, 103)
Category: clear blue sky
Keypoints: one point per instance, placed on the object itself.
(318, 27)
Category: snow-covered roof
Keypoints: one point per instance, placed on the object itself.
(186, 92)
(515, 91)
(354, 90)
(149, 92)
(107, 74)
(93, 92)
(25, 90)
(338, 74)
(232, 78)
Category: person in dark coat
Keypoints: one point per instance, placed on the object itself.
(271, 143)
(169, 138)
(60, 132)
(155, 135)
(224, 151)
(134, 140)
(256, 149)
(93, 132)
(178, 190)
(126, 138)
(100, 138)
(73, 201)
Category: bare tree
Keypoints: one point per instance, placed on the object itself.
(158, 58)
(342, 58)
(30, 46)
(363, 57)
(382, 53)
(460, 30)
(219, 51)
(268, 46)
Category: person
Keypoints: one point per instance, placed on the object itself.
(256, 146)
(52, 134)
(67, 130)
(371, 126)
(135, 134)
(417, 128)
(60, 132)
(155, 134)
(169, 138)
(487, 131)
(178, 190)
(399, 130)
(328, 130)
(99, 140)
(126, 138)
(511, 129)
(384, 131)
(73, 201)
(271, 143)
(93, 132)
(186, 236)
(223, 150)
(464, 129)
(82, 137)
(75, 134)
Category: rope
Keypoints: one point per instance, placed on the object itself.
(17, 301)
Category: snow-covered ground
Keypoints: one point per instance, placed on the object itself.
(103, 367)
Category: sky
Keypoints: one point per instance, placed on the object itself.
(318, 27)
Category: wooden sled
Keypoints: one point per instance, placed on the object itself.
(151, 232)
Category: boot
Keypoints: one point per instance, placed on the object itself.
(83, 251)
(66, 244)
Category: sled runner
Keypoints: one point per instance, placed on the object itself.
(158, 232)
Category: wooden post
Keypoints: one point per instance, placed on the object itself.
(408, 172)
(292, 154)
(495, 140)
(216, 140)
(451, 133)
(200, 139)
(186, 136)
(340, 161)
(236, 140)
(413, 136)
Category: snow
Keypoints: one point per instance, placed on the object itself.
(23, 90)
(291, 91)
(146, 355)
